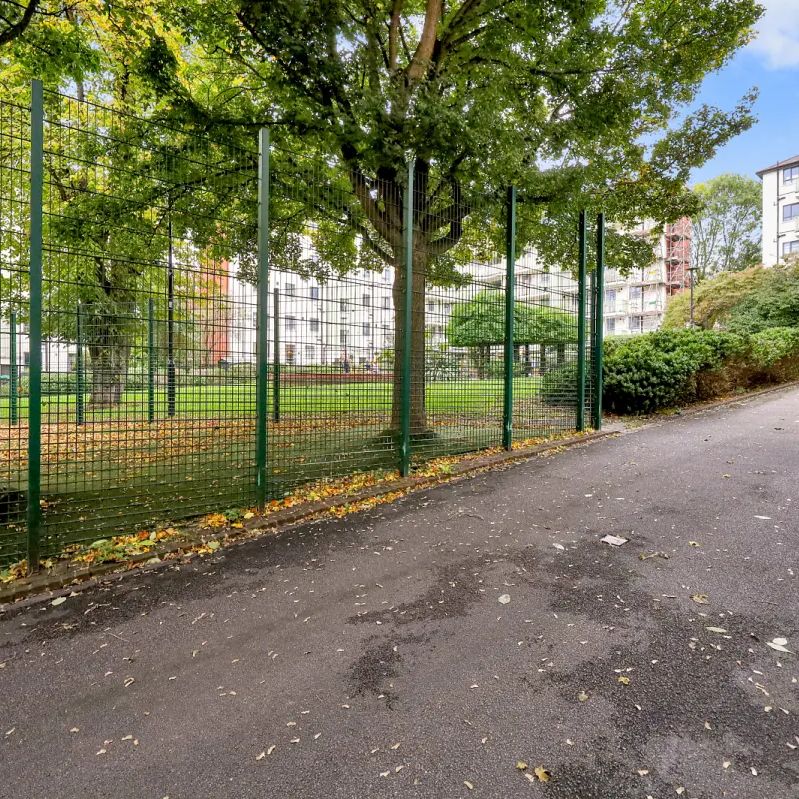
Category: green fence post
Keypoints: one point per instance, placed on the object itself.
(510, 303)
(276, 355)
(13, 376)
(80, 388)
(171, 373)
(262, 314)
(407, 338)
(34, 510)
(150, 360)
(599, 344)
(581, 270)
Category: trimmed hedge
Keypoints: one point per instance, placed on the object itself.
(675, 367)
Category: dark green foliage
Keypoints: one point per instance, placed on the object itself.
(480, 322)
(744, 302)
(774, 304)
(672, 367)
(776, 351)
(559, 386)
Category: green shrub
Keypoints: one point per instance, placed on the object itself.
(53, 383)
(775, 353)
(668, 367)
(559, 385)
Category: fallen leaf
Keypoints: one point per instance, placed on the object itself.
(542, 774)
(582, 696)
(59, 600)
(504, 599)
(521, 765)
(468, 785)
(642, 772)
(559, 546)
(779, 645)
(716, 629)
(261, 756)
(614, 540)
(700, 599)
(624, 680)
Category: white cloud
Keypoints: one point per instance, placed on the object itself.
(778, 34)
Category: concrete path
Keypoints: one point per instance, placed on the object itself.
(373, 656)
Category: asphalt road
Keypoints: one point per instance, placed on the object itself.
(371, 656)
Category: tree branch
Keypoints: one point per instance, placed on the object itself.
(18, 28)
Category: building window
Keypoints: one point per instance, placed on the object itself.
(342, 335)
(366, 300)
(386, 302)
(291, 324)
(790, 211)
(314, 325)
(289, 290)
(610, 326)
(790, 174)
(308, 352)
(636, 324)
(314, 292)
(789, 247)
(366, 328)
(610, 301)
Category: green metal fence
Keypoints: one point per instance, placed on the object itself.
(188, 326)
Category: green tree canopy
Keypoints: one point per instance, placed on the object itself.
(726, 231)
(578, 104)
(480, 322)
(748, 301)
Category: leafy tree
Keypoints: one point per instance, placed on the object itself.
(573, 102)
(775, 303)
(714, 298)
(480, 323)
(116, 187)
(726, 232)
(15, 18)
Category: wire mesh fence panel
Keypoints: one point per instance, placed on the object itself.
(332, 310)
(546, 349)
(179, 377)
(458, 319)
(14, 320)
(147, 382)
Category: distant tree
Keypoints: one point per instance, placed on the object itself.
(726, 232)
(479, 323)
(746, 301)
(774, 303)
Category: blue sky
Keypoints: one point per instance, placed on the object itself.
(771, 63)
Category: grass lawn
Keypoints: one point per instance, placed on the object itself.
(119, 472)
(468, 396)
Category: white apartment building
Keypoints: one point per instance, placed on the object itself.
(57, 356)
(780, 210)
(633, 304)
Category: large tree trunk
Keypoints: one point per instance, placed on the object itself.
(109, 350)
(418, 424)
